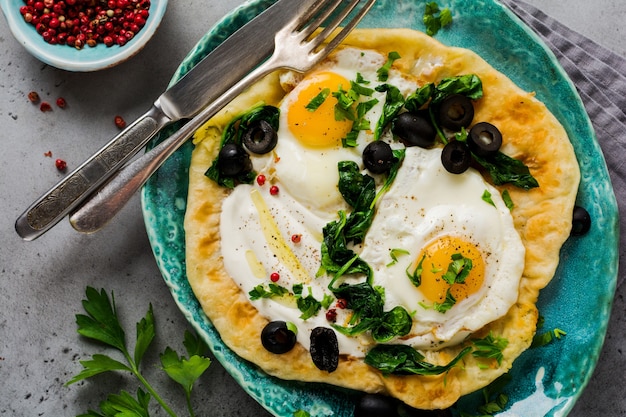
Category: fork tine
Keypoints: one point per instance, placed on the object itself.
(326, 6)
(331, 26)
(326, 9)
(344, 32)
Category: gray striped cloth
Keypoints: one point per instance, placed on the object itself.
(599, 76)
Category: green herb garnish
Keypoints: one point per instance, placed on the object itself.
(490, 347)
(487, 198)
(458, 269)
(436, 18)
(508, 201)
(383, 72)
(272, 290)
(416, 276)
(547, 337)
(394, 254)
(318, 100)
(447, 304)
(101, 323)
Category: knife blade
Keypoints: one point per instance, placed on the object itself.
(206, 81)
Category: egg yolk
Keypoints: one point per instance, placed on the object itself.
(436, 259)
(315, 126)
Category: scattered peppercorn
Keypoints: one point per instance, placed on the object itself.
(274, 190)
(61, 103)
(77, 23)
(60, 164)
(274, 276)
(296, 238)
(331, 315)
(342, 303)
(120, 122)
(45, 106)
(33, 97)
(260, 179)
(48, 154)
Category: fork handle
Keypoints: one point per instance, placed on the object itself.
(61, 199)
(112, 196)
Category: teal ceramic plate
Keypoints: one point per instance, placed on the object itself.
(546, 381)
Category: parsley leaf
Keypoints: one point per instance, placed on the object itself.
(318, 100)
(487, 198)
(435, 18)
(273, 290)
(395, 253)
(542, 339)
(123, 405)
(383, 72)
(508, 201)
(186, 371)
(490, 347)
(101, 323)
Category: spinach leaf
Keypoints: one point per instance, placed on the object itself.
(233, 133)
(404, 360)
(396, 322)
(368, 314)
(504, 170)
(394, 101)
(468, 85)
(414, 102)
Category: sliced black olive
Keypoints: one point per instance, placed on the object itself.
(376, 405)
(233, 160)
(456, 157)
(324, 349)
(277, 338)
(581, 221)
(455, 112)
(378, 157)
(414, 129)
(484, 139)
(260, 138)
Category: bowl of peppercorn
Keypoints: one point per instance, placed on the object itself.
(83, 35)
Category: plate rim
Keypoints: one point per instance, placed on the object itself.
(610, 204)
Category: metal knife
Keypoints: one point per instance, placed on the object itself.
(209, 79)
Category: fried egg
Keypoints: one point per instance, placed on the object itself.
(428, 215)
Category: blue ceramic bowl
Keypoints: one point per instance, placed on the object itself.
(546, 381)
(88, 58)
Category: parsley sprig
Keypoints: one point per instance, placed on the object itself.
(102, 324)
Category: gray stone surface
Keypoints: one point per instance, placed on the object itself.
(43, 282)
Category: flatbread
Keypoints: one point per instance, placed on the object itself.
(542, 216)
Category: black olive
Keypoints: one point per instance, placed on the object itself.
(260, 138)
(456, 157)
(456, 112)
(378, 157)
(233, 160)
(324, 349)
(277, 338)
(414, 129)
(376, 405)
(581, 221)
(484, 139)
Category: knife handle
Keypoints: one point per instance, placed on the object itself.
(55, 204)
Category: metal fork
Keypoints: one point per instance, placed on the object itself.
(297, 47)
